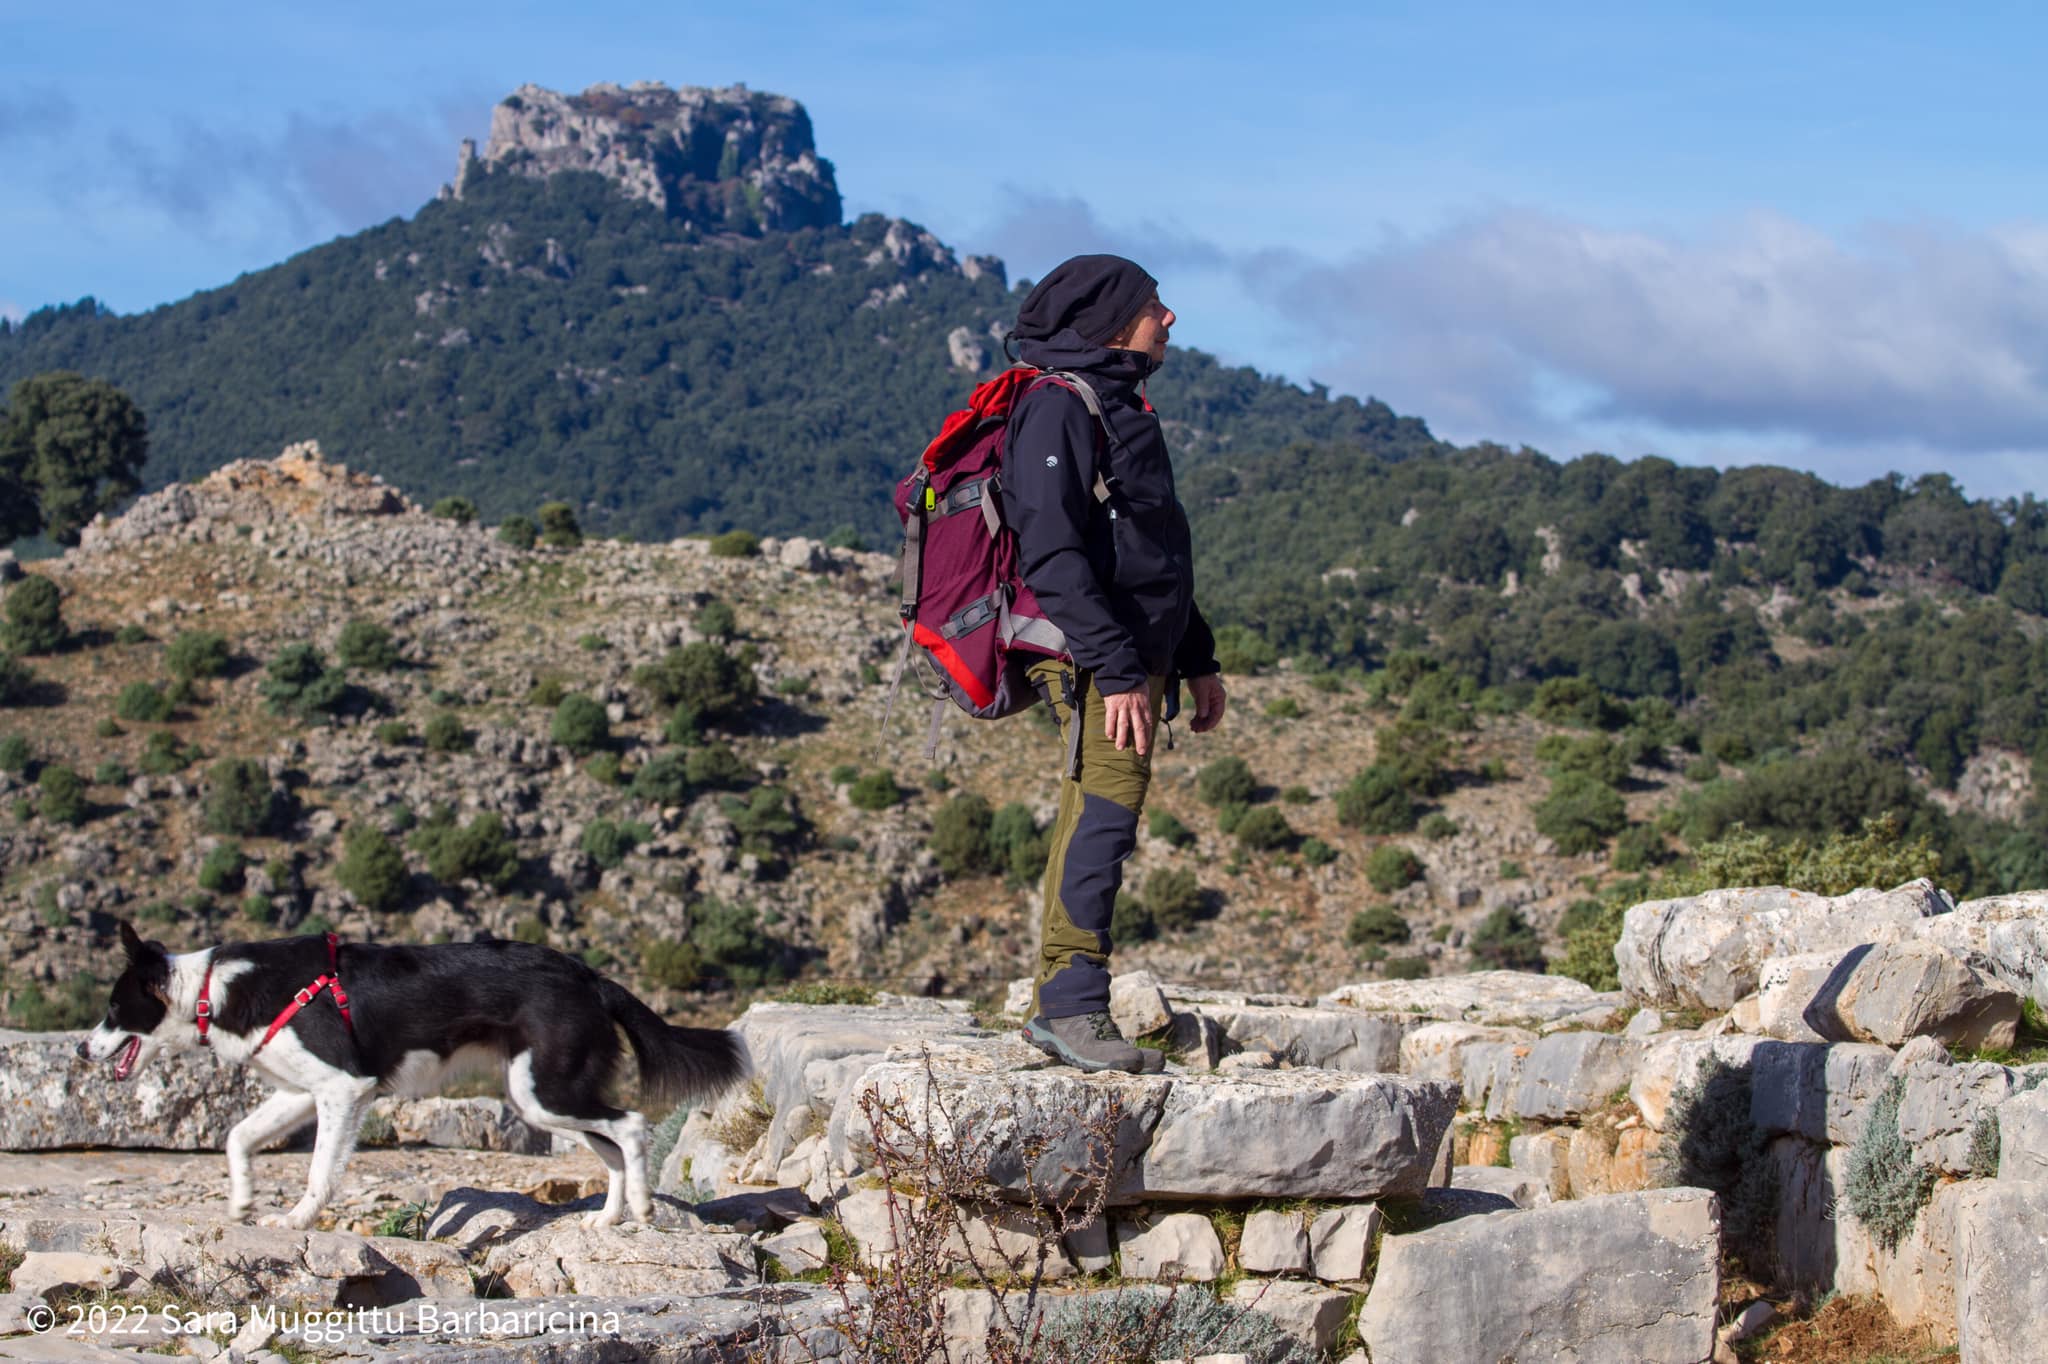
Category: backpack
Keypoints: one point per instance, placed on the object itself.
(964, 601)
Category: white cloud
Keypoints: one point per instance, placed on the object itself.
(11, 311)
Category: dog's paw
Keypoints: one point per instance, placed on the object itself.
(239, 1212)
(304, 1214)
(603, 1217)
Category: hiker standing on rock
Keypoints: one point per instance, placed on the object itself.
(1111, 564)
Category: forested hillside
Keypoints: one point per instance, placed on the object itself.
(539, 339)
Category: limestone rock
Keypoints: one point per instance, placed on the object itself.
(1624, 1278)
(2001, 1266)
(2004, 937)
(1941, 1105)
(1510, 998)
(1546, 1158)
(1816, 1091)
(1673, 1060)
(799, 1248)
(1179, 1245)
(621, 1261)
(473, 1124)
(1893, 992)
(1567, 1075)
(43, 1272)
(1138, 1004)
(176, 1101)
(1786, 989)
(1274, 1243)
(2023, 1136)
(1309, 1312)
(1441, 1051)
(1522, 1189)
(1340, 1241)
(1707, 951)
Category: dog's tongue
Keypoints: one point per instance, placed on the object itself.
(126, 1065)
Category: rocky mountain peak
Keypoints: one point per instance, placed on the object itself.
(727, 160)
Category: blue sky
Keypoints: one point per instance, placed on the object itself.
(1812, 235)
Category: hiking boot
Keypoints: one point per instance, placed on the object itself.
(1086, 1041)
(1151, 1061)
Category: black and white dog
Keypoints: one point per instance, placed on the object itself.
(335, 1024)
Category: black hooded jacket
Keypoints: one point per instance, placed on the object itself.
(1118, 579)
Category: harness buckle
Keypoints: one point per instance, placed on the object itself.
(205, 1009)
(304, 996)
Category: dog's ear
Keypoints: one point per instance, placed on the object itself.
(131, 943)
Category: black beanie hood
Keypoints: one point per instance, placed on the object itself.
(1095, 296)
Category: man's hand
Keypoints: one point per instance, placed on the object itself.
(1127, 719)
(1209, 702)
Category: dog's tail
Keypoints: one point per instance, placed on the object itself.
(676, 1064)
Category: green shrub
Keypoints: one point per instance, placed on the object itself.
(1239, 651)
(1296, 795)
(766, 820)
(548, 692)
(1879, 855)
(300, 683)
(1317, 853)
(1391, 867)
(372, 869)
(197, 653)
(163, 755)
(662, 780)
(670, 964)
(1376, 802)
(1380, 925)
(1405, 968)
(716, 766)
(875, 791)
(1263, 829)
(15, 754)
(131, 634)
(1192, 1322)
(1283, 708)
(110, 772)
(959, 839)
(61, 795)
(1174, 898)
(1638, 848)
(843, 774)
(518, 532)
(444, 732)
(34, 621)
(1711, 1142)
(458, 509)
(396, 733)
(221, 872)
(1437, 826)
(1130, 921)
(558, 527)
(735, 544)
(1591, 756)
(181, 692)
(733, 943)
(1018, 845)
(79, 1004)
(142, 703)
(1226, 781)
(1166, 826)
(258, 909)
(608, 843)
(702, 678)
(481, 850)
(367, 645)
(1577, 702)
(1580, 813)
(17, 679)
(1511, 870)
(716, 620)
(1493, 770)
(1702, 769)
(1506, 941)
(239, 798)
(593, 643)
(580, 725)
(1228, 817)
(604, 768)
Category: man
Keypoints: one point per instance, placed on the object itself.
(1117, 577)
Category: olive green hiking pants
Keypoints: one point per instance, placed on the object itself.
(1095, 831)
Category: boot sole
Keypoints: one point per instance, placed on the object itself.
(1046, 1041)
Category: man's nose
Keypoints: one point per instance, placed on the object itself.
(1170, 319)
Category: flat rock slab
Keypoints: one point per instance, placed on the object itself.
(1241, 1134)
(2001, 1260)
(1570, 1074)
(620, 1261)
(473, 1124)
(178, 1101)
(1890, 993)
(1314, 1036)
(1707, 951)
(1617, 1279)
(2003, 936)
(1503, 998)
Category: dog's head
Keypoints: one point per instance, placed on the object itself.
(141, 1002)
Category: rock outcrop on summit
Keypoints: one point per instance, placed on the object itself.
(730, 160)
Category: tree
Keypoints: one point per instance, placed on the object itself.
(558, 527)
(372, 869)
(703, 679)
(301, 683)
(580, 725)
(1376, 802)
(367, 645)
(197, 653)
(1505, 941)
(1226, 781)
(35, 624)
(960, 837)
(239, 798)
(70, 448)
(63, 795)
(1580, 813)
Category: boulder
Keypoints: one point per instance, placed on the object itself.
(1242, 1134)
(177, 1101)
(1309, 1312)
(1546, 1158)
(1322, 1038)
(799, 1248)
(1568, 1075)
(1454, 1051)
(1138, 1004)
(1508, 998)
(2001, 1268)
(1786, 988)
(1524, 1190)
(1890, 993)
(1274, 1243)
(43, 1272)
(1707, 951)
(1603, 1160)
(621, 1261)
(1941, 1106)
(1815, 1091)
(474, 1124)
(1179, 1245)
(2004, 937)
(1671, 1061)
(2023, 1136)
(1340, 1241)
(1621, 1279)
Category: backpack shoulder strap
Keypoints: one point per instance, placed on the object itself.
(1066, 378)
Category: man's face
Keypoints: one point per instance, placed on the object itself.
(1148, 330)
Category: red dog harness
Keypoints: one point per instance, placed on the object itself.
(203, 1015)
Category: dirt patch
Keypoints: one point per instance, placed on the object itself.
(1846, 1330)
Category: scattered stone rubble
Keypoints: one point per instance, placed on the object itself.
(1470, 1169)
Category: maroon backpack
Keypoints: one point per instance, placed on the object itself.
(965, 603)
